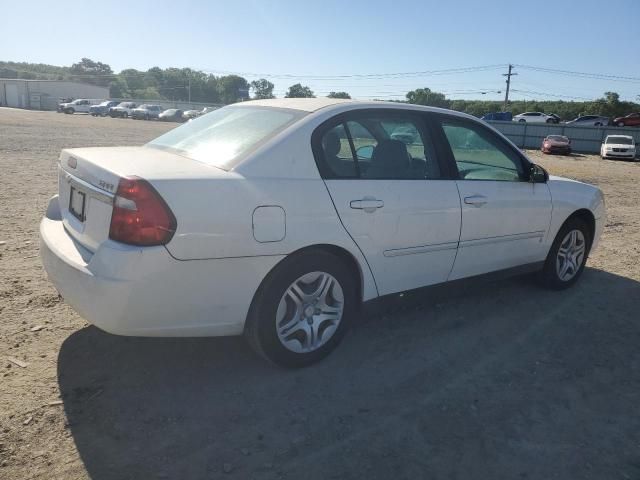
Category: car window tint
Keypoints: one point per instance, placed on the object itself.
(393, 147)
(337, 153)
(481, 155)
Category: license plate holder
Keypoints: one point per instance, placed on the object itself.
(77, 203)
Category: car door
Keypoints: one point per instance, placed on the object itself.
(392, 194)
(505, 217)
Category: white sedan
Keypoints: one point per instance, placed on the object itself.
(535, 117)
(279, 218)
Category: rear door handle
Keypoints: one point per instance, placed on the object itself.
(475, 200)
(368, 204)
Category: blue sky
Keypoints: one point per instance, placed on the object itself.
(300, 41)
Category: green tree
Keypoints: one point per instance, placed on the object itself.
(262, 88)
(232, 88)
(424, 96)
(338, 95)
(118, 88)
(88, 71)
(299, 91)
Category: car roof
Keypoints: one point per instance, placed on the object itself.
(620, 136)
(313, 105)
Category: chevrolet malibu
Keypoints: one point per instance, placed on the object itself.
(278, 219)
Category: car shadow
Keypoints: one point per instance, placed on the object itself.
(491, 380)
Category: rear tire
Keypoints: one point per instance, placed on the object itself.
(620, 124)
(567, 256)
(288, 323)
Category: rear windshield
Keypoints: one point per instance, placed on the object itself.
(222, 137)
(620, 140)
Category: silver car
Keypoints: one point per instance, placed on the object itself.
(589, 121)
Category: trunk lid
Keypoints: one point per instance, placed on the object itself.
(88, 179)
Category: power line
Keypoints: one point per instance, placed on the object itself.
(531, 92)
(597, 76)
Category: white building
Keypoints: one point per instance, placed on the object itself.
(45, 94)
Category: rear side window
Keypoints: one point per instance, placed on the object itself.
(377, 146)
(222, 137)
(480, 154)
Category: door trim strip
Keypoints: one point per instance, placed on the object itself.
(505, 238)
(421, 249)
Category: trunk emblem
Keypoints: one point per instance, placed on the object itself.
(72, 162)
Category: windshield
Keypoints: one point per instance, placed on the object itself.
(222, 137)
(557, 138)
(105, 104)
(620, 140)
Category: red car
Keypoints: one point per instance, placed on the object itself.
(631, 120)
(556, 144)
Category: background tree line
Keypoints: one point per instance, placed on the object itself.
(175, 83)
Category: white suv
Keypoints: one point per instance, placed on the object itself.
(123, 109)
(618, 146)
(81, 105)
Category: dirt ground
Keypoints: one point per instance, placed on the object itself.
(498, 380)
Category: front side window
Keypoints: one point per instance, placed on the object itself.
(222, 137)
(481, 155)
(383, 146)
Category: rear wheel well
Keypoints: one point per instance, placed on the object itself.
(345, 256)
(587, 217)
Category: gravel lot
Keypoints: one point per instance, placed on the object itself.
(497, 380)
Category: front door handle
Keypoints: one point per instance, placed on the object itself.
(368, 204)
(475, 200)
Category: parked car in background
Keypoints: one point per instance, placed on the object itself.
(535, 117)
(122, 110)
(618, 146)
(146, 112)
(81, 105)
(555, 117)
(631, 120)
(589, 121)
(498, 116)
(172, 115)
(62, 103)
(102, 109)
(556, 144)
(191, 114)
(202, 232)
(206, 110)
(407, 134)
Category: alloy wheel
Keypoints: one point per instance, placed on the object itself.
(570, 255)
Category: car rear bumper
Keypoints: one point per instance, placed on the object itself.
(143, 291)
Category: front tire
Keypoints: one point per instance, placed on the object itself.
(567, 256)
(620, 124)
(303, 309)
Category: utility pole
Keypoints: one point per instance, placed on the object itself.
(506, 95)
(189, 91)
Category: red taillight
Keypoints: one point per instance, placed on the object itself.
(140, 215)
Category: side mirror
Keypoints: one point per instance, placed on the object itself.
(537, 174)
